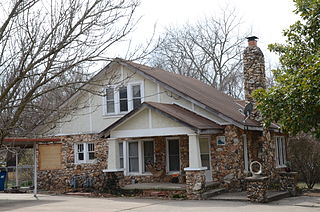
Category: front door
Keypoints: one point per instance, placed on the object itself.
(205, 156)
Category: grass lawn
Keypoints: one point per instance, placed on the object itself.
(304, 186)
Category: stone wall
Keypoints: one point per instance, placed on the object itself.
(227, 160)
(91, 173)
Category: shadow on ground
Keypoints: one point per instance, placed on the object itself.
(10, 204)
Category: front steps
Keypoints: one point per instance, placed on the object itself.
(212, 189)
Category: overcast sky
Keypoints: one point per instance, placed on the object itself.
(266, 18)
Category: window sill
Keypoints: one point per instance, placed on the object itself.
(110, 116)
(86, 162)
(138, 174)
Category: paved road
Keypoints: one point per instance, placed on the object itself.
(48, 203)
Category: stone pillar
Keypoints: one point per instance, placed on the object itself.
(288, 182)
(195, 173)
(257, 189)
(195, 182)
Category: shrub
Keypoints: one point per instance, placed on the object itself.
(304, 153)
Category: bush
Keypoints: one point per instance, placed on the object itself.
(304, 153)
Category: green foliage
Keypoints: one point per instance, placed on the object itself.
(294, 102)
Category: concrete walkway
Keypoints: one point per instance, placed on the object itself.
(48, 203)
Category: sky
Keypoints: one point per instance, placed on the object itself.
(265, 18)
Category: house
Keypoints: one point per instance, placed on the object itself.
(188, 131)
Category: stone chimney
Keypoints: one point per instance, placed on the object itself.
(254, 68)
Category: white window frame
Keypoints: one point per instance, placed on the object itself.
(140, 157)
(85, 152)
(117, 98)
(280, 151)
(167, 156)
(106, 101)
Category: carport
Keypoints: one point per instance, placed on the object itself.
(14, 146)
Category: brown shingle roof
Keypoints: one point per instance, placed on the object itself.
(184, 115)
(197, 90)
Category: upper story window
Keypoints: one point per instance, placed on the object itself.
(85, 153)
(136, 96)
(110, 100)
(123, 99)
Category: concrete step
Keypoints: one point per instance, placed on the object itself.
(274, 196)
(212, 185)
(212, 192)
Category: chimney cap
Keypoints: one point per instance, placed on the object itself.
(252, 38)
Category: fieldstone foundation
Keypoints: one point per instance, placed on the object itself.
(195, 181)
(288, 182)
(257, 189)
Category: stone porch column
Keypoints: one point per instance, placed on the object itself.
(195, 173)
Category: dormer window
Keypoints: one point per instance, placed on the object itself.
(123, 99)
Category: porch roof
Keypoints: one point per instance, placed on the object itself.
(173, 112)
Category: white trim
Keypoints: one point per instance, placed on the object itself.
(150, 118)
(158, 93)
(150, 132)
(90, 113)
(195, 169)
(85, 153)
(116, 98)
(141, 171)
(245, 152)
(112, 170)
(282, 148)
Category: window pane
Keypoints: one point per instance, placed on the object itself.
(91, 156)
(174, 163)
(121, 154)
(80, 156)
(204, 145)
(80, 147)
(133, 165)
(123, 105)
(90, 147)
(110, 106)
(205, 160)
(110, 94)
(123, 92)
(133, 149)
(174, 159)
(148, 153)
(133, 157)
(136, 91)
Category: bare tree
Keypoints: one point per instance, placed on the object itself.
(304, 154)
(209, 50)
(46, 48)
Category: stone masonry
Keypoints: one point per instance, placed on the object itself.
(254, 70)
(195, 184)
(60, 180)
(257, 189)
